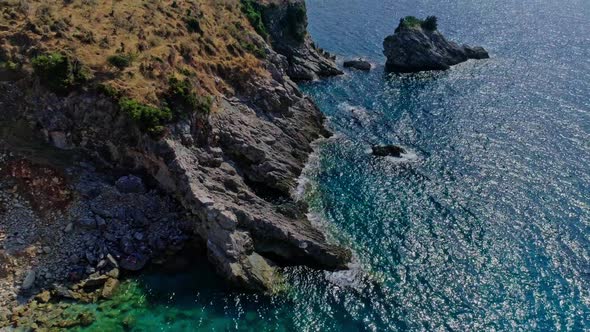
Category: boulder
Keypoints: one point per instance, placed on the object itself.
(109, 288)
(29, 280)
(358, 64)
(388, 151)
(415, 47)
(130, 184)
(134, 262)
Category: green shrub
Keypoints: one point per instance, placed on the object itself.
(255, 17)
(409, 22)
(59, 72)
(296, 22)
(151, 120)
(430, 23)
(253, 49)
(193, 25)
(9, 65)
(183, 100)
(108, 90)
(121, 61)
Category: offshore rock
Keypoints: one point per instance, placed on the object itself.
(414, 49)
(388, 150)
(358, 64)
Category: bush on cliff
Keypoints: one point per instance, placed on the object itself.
(150, 119)
(193, 24)
(430, 23)
(58, 72)
(255, 17)
(121, 61)
(296, 22)
(183, 100)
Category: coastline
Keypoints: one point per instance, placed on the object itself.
(228, 176)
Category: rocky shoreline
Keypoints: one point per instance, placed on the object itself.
(70, 234)
(223, 180)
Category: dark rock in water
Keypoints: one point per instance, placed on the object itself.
(358, 64)
(130, 184)
(416, 47)
(388, 150)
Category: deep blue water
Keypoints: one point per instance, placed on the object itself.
(486, 228)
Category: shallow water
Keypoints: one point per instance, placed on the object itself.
(487, 227)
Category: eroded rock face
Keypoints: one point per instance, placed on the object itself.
(286, 22)
(236, 183)
(414, 49)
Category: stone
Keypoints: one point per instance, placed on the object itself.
(59, 139)
(94, 280)
(114, 273)
(29, 280)
(43, 297)
(112, 260)
(388, 150)
(109, 288)
(100, 222)
(134, 262)
(414, 49)
(130, 184)
(69, 227)
(101, 264)
(87, 223)
(358, 64)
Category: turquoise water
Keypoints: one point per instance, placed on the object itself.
(486, 228)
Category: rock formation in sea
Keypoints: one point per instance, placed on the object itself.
(417, 45)
(388, 151)
(188, 124)
(359, 64)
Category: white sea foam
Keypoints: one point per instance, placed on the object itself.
(358, 112)
(407, 157)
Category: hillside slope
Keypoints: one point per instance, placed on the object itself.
(194, 95)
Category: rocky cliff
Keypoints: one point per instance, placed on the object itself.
(417, 46)
(286, 23)
(191, 96)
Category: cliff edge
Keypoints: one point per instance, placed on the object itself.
(199, 98)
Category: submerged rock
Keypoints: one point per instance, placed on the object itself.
(358, 64)
(417, 45)
(388, 151)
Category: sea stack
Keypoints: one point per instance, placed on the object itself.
(417, 45)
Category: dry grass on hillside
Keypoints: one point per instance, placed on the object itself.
(208, 41)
